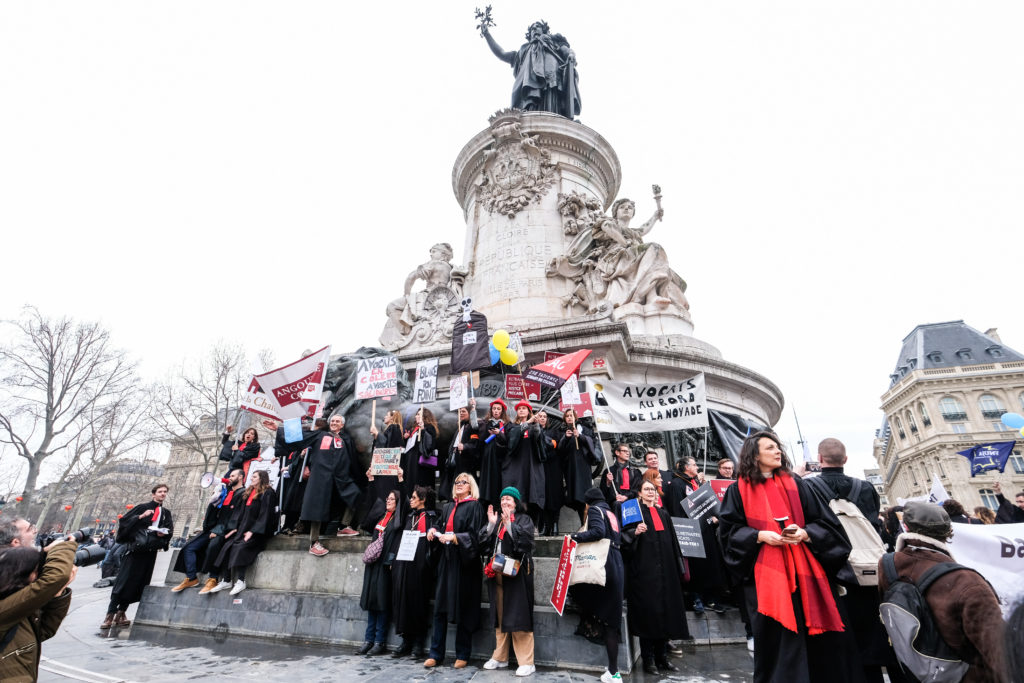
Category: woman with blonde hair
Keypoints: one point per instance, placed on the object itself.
(254, 524)
(985, 515)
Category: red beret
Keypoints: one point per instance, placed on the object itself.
(499, 402)
(525, 404)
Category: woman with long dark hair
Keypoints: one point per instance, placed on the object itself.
(242, 450)
(523, 467)
(786, 546)
(419, 462)
(413, 580)
(554, 484)
(391, 437)
(253, 524)
(384, 522)
(493, 447)
(579, 454)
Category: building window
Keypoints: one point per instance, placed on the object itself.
(951, 409)
(927, 421)
(1018, 462)
(964, 354)
(999, 426)
(899, 428)
(911, 422)
(991, 406)
(988, 499)
(935, 357)
(959, 428)
(1021, 399)
(995, 351)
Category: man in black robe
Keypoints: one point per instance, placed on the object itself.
(215, 523)
(1009, 513)
(618, 484)
(146, 529)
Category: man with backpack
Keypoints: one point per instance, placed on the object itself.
(963, 607)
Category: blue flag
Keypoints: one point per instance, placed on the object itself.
(988, 457)
(631, 512)
(293, 430)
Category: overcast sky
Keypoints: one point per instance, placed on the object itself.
(267, 172)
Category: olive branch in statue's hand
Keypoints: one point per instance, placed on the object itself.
(484, 19)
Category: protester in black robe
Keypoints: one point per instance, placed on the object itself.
(619, 483)
(655, 572)
(384, 522)
(218, 512)
(243, 450)
(419, 462)
(392, 437)
(1009, 513)
(780, 654)
(297, 462)
(229, 503)
(554, 484)
(509, 535)
(137, 566)
(330, 462)
(253, 525)
(578, 451)
(459, 572)
(601, 606)
(413, 580)
(463, 454)
(493, 448)
(523, 467)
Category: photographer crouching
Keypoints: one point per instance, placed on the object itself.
(34, 599)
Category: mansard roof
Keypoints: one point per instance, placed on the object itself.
(949, 344)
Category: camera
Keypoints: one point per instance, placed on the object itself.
(493, 424)
(84, 557)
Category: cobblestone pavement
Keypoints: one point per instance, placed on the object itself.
(80, 651)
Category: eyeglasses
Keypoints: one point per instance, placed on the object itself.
(462, 482)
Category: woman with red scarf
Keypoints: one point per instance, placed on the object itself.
(253, 523)
(413, 580)
(385, 523)
(240, 453)
(786, 546)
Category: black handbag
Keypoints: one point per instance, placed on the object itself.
(146, 541)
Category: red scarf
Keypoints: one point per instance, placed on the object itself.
(421, 523)
(781, 570)
(501, 526)
(227, 498)
(450, 526)
(156, 516)
(625, 478)
(252, 497)
(656, 519)
(383, 523)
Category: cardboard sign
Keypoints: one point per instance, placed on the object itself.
(425, 390)
(377, 377)
(720, 485)
(570, 391)
(688, 536)
(630, 512)
(407, 548)
(385, 462)
(700, 503)
(271, 468)
(458, 392)
(560, 590)
(631, 407)
(514, 388)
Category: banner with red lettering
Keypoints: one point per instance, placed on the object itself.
(561, 588)
(720, 485)
(555, 372)
(294, 390)
(255, 401)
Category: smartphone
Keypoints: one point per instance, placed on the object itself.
(790, 530)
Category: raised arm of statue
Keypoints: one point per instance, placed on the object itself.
(646, 227)
(495, 48)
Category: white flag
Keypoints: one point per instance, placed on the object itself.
(295, 389)
(938, 494)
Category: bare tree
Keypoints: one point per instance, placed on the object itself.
(57, 374)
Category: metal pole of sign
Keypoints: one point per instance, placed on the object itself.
(705, 451)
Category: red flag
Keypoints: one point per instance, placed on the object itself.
(556, 371)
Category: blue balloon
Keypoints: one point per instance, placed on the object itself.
(496, 354)
(1011, 420)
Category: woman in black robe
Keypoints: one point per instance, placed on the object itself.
(391, 437)
(253, 525)
(493, 447)
(523, 467)
(601, 606)
(802, 554)
(137, 566)
(462, 452)
(654, 582)
(509, 534)
(384, 522)
(578, 452)
(459, 572)
(419, 462)
(242, 451)
(554, 486)
(413, 580)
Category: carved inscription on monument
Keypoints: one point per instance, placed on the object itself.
(512, 265)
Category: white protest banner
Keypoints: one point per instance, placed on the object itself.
(377, 377)
(266, 465)
(458, 392)
(571, 391)
(294, 390)
(255, 401)
(385, 461)
(635, 407)
(425, 390)
(996, 551)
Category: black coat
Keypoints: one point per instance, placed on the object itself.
(1008, 513)
(217, 521)
(523, 466)
(137, 567)
(244, 454)
(654, 578)
(415, 474)
(381, 486)
(554, 472)
(617, 488)
(457, 462)
(459, 572)
(517, 591)
(376, 594)
(491, 457)
(578, 462)
(413, 581)
(257, 517)
(603, 602)
(330, 461)
(841, 486)
(707, 572)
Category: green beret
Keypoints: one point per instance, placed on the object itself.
(511, 491)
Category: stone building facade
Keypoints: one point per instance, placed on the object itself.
(116, 486)
(947, 393)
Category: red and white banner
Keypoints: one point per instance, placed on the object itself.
(294, 390)
(561, 588)
(555, 372)
(720, 485)
(255, 401)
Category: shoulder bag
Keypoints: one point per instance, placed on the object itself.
(589, 561)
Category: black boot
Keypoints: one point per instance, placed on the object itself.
(542, 530)
(367, 646)
(650, 668)
(404, 650)
(553, 531)
(377, 649)
(665, 665)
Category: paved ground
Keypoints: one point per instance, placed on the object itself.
(80, 651)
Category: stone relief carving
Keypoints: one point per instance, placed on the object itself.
(609, 265)
(426, 317)
(516, 169)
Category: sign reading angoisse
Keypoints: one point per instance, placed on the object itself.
(376, 377)
(635, 407)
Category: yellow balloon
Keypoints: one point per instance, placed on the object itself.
(501, 340)
(509, 357)
(1022, 431)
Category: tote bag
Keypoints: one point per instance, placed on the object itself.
(590, 558)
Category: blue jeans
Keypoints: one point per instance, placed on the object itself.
(189, 553)
(439, 639)
(376, 626)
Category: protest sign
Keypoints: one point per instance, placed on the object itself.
(271, 468)
(632, 407)
(996, 551)
(701, 502)
(514, 388)
(255, 401)
(555, 372)
(293, 430)
(570, 391)
(407, 548)
(425, 390)
(688, 536)
(549, 355)
(630, 512)
(458, 392)
(294, 390)
(560, 590)
(385, 462)
(720, 485)
(377, 377)
(470, 345)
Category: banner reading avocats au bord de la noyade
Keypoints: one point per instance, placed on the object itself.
(640, 407)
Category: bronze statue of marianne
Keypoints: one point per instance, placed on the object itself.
(544, 69)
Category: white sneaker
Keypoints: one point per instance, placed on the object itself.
(223, 585)
(493, 664)
(239, 587)
(750, 644)
(526, 670)
(610, 678)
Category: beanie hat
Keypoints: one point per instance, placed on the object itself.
(511, 491)
(593, 495)
(927, 519)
